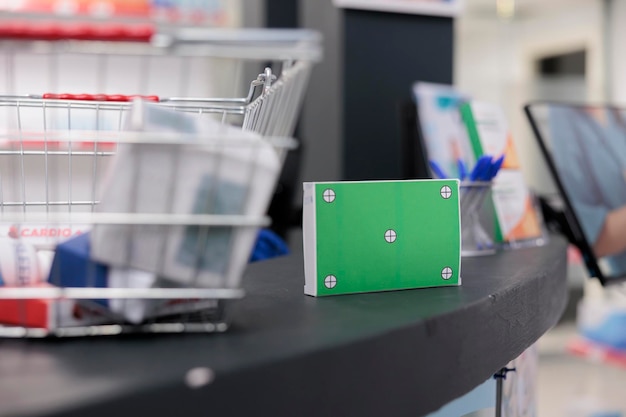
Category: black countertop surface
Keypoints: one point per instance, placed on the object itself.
(403, 353)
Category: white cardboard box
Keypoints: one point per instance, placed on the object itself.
(202, 176)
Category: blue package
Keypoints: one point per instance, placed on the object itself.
(268, 245)
(73, 267)
(611, 332)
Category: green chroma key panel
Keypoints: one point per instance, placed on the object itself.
(381, 235)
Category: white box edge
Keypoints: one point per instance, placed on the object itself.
(309, 239)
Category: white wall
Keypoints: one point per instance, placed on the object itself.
(617, 55)
(494, 61)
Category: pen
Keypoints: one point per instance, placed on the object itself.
(462, 169)
(495, 167)
(439, 172)
(483, 164)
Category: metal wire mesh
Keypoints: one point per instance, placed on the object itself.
(56, 154)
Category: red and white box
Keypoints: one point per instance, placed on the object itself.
(51, 314)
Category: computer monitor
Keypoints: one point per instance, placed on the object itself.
(585, 150)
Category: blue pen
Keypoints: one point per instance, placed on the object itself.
(462, 169)
(474, 174)
(486, 173)
(439, 172)
(478, 173)
(495, 167)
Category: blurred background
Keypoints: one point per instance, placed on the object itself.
(508, 52)
(505, 51)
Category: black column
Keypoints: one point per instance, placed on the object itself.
(284, 14)
(281, 13)
(384, 54)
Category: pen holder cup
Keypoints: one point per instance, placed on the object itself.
(475, 240)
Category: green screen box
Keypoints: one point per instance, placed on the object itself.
(366, 236)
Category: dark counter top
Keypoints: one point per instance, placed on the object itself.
(396, 353)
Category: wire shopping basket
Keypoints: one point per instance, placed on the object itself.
(57, 173)
(182, 66)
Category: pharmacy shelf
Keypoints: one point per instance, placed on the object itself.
(403, 353)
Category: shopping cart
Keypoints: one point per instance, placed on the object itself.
(56, 150)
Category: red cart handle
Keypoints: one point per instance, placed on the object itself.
(89, 32)
(97, 97)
